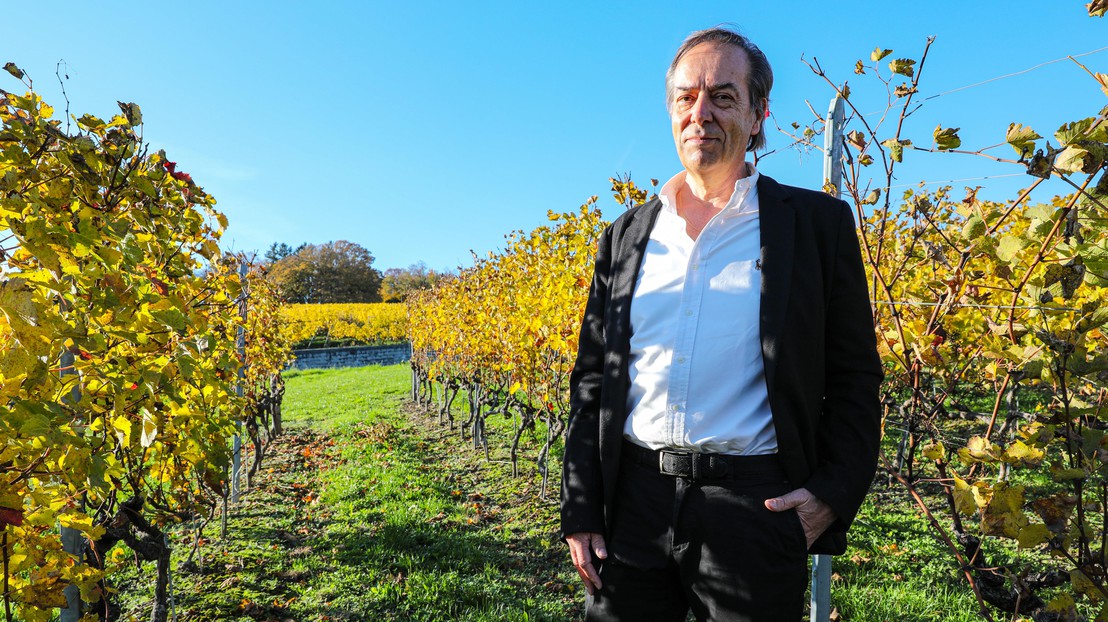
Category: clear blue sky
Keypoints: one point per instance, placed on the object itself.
(424, 130)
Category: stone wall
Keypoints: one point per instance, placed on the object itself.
(354, 356)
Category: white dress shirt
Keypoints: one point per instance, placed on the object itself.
(697, 380)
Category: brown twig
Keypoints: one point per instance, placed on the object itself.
(966, 152)
(996, 406)
(7, 589)
(1020, 199)
(964, 566)
(1081, 189)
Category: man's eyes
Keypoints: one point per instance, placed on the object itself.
(723, 98)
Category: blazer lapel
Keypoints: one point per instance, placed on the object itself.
(777, 218)
(629, 247)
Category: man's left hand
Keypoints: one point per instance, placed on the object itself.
(815, 515)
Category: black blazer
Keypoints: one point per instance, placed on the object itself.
(818, 346)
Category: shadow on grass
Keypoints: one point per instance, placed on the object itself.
(427, 531)
(426, 571)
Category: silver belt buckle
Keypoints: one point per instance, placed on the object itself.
(662, 461)
(694, 464)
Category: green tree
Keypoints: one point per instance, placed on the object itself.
(398, 283)
(338, 271)
(279, 250)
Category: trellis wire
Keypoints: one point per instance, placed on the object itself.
(1011, 75)
(912, 303)
(1008, 75)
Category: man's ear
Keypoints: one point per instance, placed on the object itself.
(761, 113)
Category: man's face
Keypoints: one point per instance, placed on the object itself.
(710, 108)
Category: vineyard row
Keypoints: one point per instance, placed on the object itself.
(125, 334)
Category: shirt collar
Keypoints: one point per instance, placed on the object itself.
(743, 186)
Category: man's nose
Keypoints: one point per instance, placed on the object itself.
(701, 110)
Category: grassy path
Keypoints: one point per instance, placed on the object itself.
(365, 510)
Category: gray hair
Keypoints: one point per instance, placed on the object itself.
(759, 79)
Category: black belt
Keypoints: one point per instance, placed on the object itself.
(699, 466)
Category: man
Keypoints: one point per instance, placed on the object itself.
(724, 411)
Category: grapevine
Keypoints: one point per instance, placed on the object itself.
(505, 331)
(118, 321)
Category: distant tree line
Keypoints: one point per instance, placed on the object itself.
(399, 282)
(342, 271)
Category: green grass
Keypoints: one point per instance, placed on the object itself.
(424, 531)
(896, 569)
(368, 509)
(330, 400)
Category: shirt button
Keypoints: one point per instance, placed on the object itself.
(695, 267)
(681, 360)
(688, 312)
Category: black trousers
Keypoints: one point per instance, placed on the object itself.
(708, 545)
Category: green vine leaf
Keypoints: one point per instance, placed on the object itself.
(1063, 606)
(132, 112)
(1083, 130)
(896, 148)
(1086, 158)
(946, 139)
(1032, 536)
(1021, 137)
(967, 498)
(903, 66)
(974, 228)
(1069, 276)
(878, 53)
(15, 71)
(978, 449)
(1082, 584)
(934, 451)
(1021, 453)
(1061, 474)
(1003, 515)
